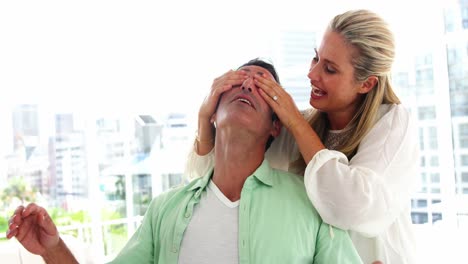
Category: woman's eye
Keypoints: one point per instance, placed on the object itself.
(330, 69)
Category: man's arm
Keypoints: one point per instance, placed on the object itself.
(35, 230)
(59, 255)
(334, 245)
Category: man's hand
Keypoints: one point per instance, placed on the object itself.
(34, 229)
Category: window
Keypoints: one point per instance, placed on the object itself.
(464, 160)
(464, 177)
(435, 178)
(463, 133)
(433, 138)
(427, 113)
(421, 136)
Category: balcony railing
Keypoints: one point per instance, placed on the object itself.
(82, 240)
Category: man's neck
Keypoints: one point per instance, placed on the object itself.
(236, 158)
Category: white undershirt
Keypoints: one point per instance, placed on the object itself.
(212, 234)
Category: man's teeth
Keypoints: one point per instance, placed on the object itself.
(317, 91)
(245, 101)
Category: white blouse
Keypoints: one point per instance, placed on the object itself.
(369, 195)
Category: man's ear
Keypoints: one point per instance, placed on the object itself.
(276, 129)
(368, 84)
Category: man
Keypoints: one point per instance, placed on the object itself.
(243, 211)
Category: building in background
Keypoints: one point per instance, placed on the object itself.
(68, 165)
(28, 158)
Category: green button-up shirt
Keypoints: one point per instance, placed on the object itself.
(277, 224)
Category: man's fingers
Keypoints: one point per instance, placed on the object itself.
(46, 223)
(16, 219)
(32, 208)
(12, 232)
(19, 209)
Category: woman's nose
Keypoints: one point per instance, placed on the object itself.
(312, 74)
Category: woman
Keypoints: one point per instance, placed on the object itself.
(355, 146)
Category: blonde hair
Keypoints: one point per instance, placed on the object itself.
(373, 53)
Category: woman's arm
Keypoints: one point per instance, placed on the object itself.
(291, 117)
(196, 165)
(205, 135)
(369, 192)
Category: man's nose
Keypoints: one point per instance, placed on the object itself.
(248, 85)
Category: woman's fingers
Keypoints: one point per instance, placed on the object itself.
(229, 80)
(270, 87)
(271, 101)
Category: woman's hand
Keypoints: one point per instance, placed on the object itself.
(281, 102)
(225, 82)
(220, 85)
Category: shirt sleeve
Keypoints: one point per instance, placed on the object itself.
(141, 246)
(369, 192)
(334, 246)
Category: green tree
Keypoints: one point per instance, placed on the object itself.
(18, 188)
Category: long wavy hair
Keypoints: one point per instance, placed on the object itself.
(373, 48)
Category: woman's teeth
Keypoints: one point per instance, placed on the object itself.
(317, 92)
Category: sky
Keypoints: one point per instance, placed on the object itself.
(153, 56)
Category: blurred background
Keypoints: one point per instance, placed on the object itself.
(99, 100)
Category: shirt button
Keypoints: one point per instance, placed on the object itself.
(187, 215)
(174, 250)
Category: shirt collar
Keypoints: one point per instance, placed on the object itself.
(202, 182)
(263, 173)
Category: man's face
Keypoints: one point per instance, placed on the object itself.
(244, 108)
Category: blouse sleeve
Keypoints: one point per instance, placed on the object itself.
(196, 165)
(367, 193)
(282, 151)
